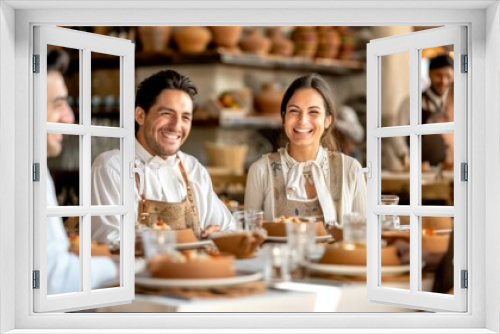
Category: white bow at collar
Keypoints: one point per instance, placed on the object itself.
(295, 181)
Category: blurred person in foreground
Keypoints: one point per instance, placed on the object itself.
(309, 177)
(63, 266)
(175, 182)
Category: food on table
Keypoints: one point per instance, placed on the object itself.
(288, 219)
(160, 225)
(277, 227)
(96, 249)
(240, 244)
(346, 254)
(191, 264)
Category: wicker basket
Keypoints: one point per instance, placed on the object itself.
(231, 157)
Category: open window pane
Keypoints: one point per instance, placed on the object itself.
(63, 89)
(430, 194)
(437, 256)
(394, 252)
(64, 167)
(68, 192)
(105, 153)
(395, 166)
(105, 89)
(101, 250)
(63, 255)
(395, 94)
(437, 169)
(437, 84)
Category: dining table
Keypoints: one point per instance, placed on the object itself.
(437, 184)
(312, 293)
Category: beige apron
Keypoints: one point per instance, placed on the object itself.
(178, 216)
(286, 207)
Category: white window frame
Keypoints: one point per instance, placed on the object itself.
(85, 43)
(484, 264)
(376, 50)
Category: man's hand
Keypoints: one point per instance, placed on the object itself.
(209, 229)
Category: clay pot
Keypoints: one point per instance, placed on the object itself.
(154, 39)
(192, 40)
(161, 266)
(348, 43)
(280, 45)
(241, 244)
(329, 42)
(255, 42)
(268, 101)
(306, 41)
(339, 253)
(227, 37)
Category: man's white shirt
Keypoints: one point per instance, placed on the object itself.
(163, 182)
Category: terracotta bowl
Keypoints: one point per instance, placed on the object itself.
(220, 266)
(435, 243)
(240, 244)
(185, 236)
(437, 223)
(275, 229)
(339, 253)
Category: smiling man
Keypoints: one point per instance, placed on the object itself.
(178, 189)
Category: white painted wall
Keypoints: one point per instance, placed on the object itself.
(7, 186)
(492, 166)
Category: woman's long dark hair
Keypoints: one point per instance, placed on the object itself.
(316, 82)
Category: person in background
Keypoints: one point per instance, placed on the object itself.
(309, 177)
(350, 131)
(175, 182)
(433, 110)
(63, 267)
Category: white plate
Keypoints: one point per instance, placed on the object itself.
(284, 239)
(192, 245)
(143, 278)
(348, 270)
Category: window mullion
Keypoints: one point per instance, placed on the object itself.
(85, 167)
(414, 169)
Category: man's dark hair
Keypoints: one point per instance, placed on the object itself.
(152, 86)
(440, 61)
(57, 60)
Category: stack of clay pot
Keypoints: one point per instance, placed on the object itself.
(281, 45)
(192, 40)
(154, 39)
(255, 42)
(306, 41)
(329, 42)
(226, 38)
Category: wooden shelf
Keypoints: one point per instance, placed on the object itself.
(334, 67)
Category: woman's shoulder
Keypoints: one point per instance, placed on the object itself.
(348, 162)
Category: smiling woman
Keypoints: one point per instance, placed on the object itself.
(309, 177)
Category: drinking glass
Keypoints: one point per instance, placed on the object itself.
(301, 239)
(354, 229)
(157, 242)
(389, 221)
(276, 263)
(249, 220)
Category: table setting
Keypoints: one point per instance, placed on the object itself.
(249, 266)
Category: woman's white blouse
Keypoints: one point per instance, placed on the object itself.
(259, 192)
(163, 182)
